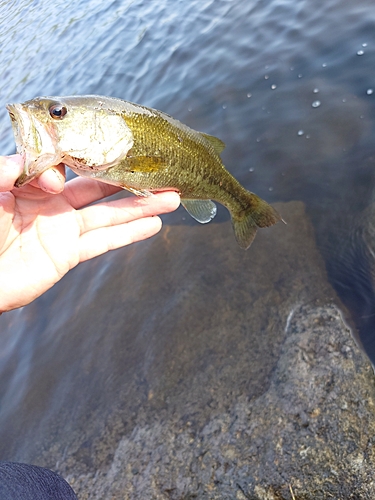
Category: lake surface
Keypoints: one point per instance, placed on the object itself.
(288, 86)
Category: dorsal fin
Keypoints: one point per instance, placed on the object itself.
(216, 143)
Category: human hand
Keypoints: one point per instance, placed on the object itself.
(44, 235)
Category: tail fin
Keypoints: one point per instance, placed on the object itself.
(246, 223)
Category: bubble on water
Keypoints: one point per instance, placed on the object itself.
(270, 188)
(364, 44)
(307, 136)
(266, 77)
(249, 95)
(190, 108)
(316, 91)
(344, 100)
(251, 169)
(324, 65)
(224, 106)
(292, 68)
(360, 52)
(258, 140)
(369, 91)
(300, 75)
(273, 87)
(316, 104)
(300, 132)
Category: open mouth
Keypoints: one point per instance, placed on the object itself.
(17, 127)
(34, 142)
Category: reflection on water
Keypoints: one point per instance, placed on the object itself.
(287, 85)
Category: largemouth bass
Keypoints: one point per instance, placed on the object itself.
(137, 148)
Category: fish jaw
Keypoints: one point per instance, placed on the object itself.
(35, 142)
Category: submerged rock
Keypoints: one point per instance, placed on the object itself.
(263, 392)
(311, 432)
(202, 371)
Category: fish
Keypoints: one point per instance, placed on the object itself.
(140, 149)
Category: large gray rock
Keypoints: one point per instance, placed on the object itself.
(194, 369)
(257, 390)
(310, 433)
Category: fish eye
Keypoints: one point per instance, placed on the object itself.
(57, 111)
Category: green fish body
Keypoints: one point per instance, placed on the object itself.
(139, 149)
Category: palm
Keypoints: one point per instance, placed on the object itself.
(41, 238)
(44, 235)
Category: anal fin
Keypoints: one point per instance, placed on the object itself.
(201, 210)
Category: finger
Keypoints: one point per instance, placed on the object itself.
(52, 180)
(10, 169)
(102, 240)
(82, 191)
(7, 204)
(116, 212)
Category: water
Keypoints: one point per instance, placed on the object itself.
(287, 85)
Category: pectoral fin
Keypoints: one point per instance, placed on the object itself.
(144, 163)
(201, 210)
(143, 193)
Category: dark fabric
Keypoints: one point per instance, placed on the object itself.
(29, 482)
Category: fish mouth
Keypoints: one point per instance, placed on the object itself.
(35, 142)
(17, 125)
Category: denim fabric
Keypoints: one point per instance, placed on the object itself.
(29, 482)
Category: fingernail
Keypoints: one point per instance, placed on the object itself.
(51, 181)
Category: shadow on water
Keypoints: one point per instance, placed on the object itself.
(349, 255)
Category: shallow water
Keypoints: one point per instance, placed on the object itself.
(290, 88)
